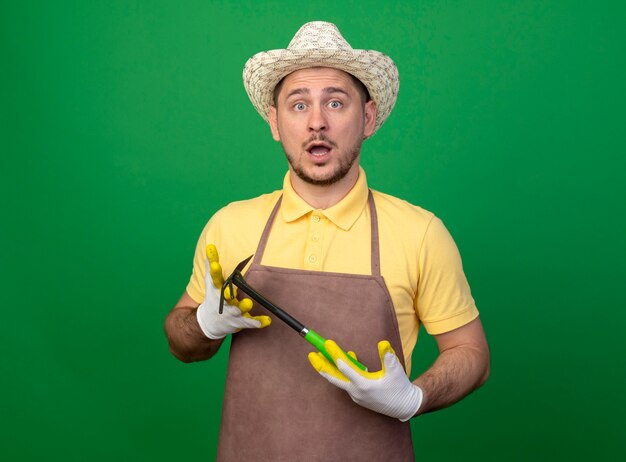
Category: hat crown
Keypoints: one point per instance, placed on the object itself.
(318, 35)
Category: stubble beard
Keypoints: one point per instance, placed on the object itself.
(342, 169)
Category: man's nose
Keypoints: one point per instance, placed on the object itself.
(317, 119)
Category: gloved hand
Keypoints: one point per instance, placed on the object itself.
(236, 314)
(388, 391)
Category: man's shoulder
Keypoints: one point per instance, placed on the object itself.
(399, 209)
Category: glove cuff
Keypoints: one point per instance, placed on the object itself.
(413, 403)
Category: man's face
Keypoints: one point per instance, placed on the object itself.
(321, 121)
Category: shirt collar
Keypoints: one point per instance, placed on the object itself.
(343, 214)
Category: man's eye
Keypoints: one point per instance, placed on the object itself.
(335, 104)
(299, 106)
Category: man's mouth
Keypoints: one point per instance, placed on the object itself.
(318, 148)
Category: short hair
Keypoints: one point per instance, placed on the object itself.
(360, 87)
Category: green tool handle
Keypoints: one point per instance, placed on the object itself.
(317, 341)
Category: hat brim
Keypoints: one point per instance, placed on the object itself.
(377, 71)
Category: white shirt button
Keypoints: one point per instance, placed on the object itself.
(315, 219)
(312, 258)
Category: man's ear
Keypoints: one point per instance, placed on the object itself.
(273, 120)
(370, 118)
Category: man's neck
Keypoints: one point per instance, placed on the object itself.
(324, 197)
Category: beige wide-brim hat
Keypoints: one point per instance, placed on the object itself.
(316, 44)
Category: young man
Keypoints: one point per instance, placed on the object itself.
(359, 266)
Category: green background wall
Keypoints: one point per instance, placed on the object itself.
(125, 125)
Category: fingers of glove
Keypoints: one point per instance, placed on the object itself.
(211, 253)
(234, 318)
(232, 300)
(335, 351)
(214, 265)
(345, 366)
(384, 347)
(392, 366)
(385, 351)
(245, 305)
(247, 323)
(250, 321)
(215, 271)
(327, 370)
(389, 360)
(240, 309)
(231, 311)
(231, 320)
(264, 320)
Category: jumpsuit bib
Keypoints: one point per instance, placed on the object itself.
(276, 406)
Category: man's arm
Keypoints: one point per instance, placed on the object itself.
(462, 366)
(184, 336)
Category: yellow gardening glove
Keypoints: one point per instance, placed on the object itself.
(235, 315)
(387, 391)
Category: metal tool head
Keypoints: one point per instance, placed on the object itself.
(242, 264)
(229, 282)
